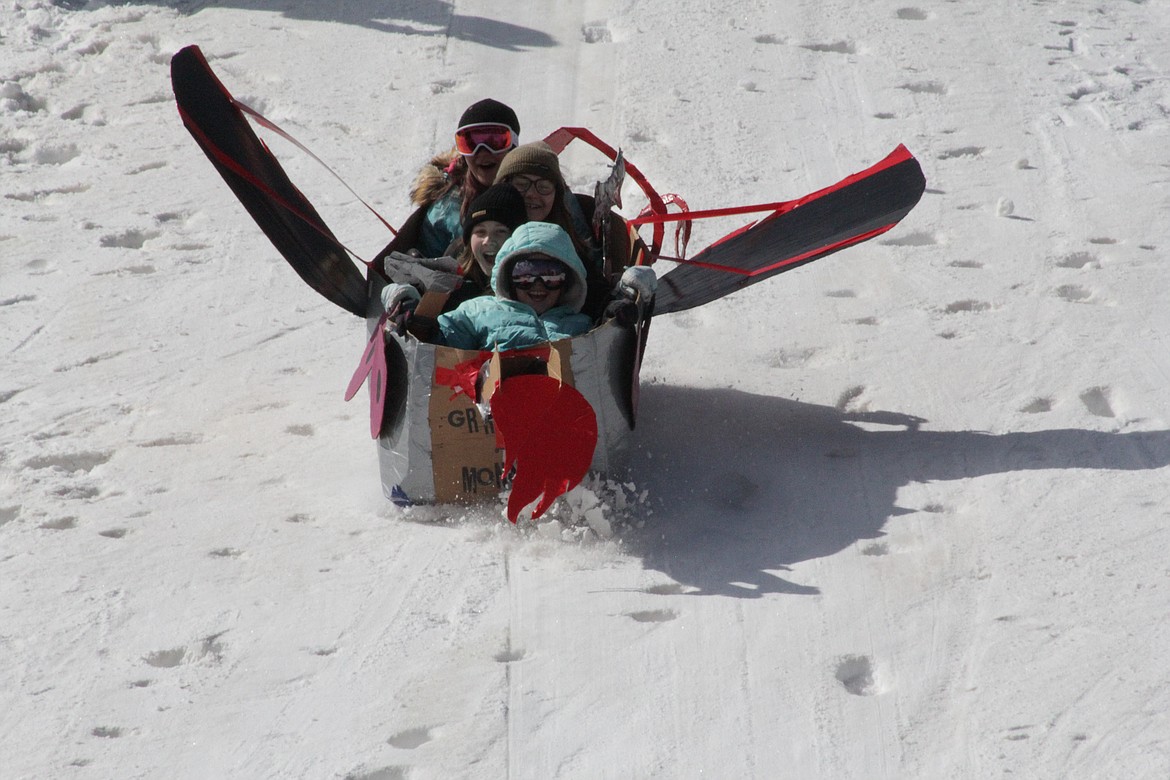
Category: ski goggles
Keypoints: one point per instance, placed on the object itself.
(496, 138)
(551, 281)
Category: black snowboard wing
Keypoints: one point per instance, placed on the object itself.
(855, 209)
(282, 212)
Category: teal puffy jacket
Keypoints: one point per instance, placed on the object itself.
(441, 225)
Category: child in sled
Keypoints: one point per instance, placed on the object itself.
(492, 218)
(535, 171)
(539, 284)
(447, 185)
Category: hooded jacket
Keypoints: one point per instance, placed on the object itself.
(503, 322)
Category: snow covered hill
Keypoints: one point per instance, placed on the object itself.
(901, 513)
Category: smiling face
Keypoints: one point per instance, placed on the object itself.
(483, 165)
(539, 195)
(540, 298)
(486, 239)
(530, 286)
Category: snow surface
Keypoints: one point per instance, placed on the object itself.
(900, 514)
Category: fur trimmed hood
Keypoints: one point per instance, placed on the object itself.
(433, 180)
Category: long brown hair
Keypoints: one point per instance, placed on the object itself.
(559, 214)
(469, 186)
(469, 269)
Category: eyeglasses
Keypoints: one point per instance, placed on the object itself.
(553, 281)
(523, 184)
(496, 138)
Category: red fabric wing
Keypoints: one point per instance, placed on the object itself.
(549, 432)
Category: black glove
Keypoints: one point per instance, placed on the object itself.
(422, 327)
(623, 311)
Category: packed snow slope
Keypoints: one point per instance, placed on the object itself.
(901, 513)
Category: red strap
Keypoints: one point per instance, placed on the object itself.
(266, 122)
(231, 164)
(682, 232)
(648, 217)
(899, 155)
(562, 137)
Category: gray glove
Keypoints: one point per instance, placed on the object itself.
(638, 282)
(399, 296)
(433, 274)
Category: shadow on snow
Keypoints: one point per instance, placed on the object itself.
(745, 485)
(404, 17)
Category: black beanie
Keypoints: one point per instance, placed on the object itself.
(500, 202)
(488, 111)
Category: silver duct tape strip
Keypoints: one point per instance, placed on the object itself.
(598, 359)
(404, 448)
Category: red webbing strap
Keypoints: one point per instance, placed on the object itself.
(562, 137)
(682, 233)
(268, 123)
(651, 218)
(235, 167)
(899, 155)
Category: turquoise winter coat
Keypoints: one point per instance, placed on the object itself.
(502, 322)
(441, 226)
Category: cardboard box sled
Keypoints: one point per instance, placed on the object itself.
(436, 446)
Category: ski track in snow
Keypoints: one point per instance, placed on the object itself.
(897, 514)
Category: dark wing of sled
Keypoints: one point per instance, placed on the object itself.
(856, 209)
(254, 175)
